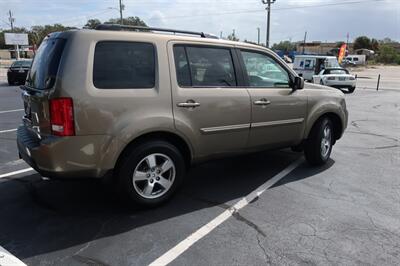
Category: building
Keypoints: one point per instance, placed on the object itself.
(320, 48)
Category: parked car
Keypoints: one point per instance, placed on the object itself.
(308, 65)
(18, 71)
(336, 77)
(140, 107)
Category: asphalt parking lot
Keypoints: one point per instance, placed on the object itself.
(345, 213)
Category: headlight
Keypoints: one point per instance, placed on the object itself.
(352, 78)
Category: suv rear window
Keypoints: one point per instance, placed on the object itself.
(45, 65)
(123, 65)
(204, 66)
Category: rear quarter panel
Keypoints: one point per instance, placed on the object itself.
(121, 114)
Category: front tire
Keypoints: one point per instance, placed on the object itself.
(150, 173)
(318, 146)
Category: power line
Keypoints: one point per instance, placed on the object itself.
(276, 9)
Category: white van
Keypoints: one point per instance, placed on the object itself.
(355, 59)
(308, 65)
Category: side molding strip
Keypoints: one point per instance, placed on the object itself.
(211, 130)
(278, 122)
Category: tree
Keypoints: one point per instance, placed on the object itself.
(374, 44)
(232, 37)
(285, 46)
(362, 42)
(132, 21)
(388, 55)
(92, 23)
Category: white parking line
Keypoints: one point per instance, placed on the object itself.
(10, 111)
(6, 258)
(8, 130)
(181, 247)
(16, 173)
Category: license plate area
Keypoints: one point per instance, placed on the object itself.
(342, 78)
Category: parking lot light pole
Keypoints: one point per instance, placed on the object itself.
(268, 8)
(121, 7)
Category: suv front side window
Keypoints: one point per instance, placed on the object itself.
(204, 66)
(263, 71)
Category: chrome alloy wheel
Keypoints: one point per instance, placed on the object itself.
(154, 176)
(326, 141)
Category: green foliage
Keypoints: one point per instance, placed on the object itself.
(132, 21)
(388, 55)
(285, 46)
(362, 42)
(92, 23)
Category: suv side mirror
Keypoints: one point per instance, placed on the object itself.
(298, 83)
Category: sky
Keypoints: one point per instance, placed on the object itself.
(324, 20)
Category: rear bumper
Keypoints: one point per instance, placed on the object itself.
(338, 84)
(65, 157)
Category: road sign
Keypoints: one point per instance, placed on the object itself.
(16, 38)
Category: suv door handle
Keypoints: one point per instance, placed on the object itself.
(262, 101)
(189, 104)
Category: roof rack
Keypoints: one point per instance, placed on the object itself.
(119, 27)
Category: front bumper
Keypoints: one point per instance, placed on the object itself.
(65, 157)
(17, 76)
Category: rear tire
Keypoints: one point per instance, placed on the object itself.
(150, 173)
(319, 144)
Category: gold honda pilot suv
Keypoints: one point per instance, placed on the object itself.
(141, 105)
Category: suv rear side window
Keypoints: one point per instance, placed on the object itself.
(124, 65)
(204, 66)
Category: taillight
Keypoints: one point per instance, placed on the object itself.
(62, 117)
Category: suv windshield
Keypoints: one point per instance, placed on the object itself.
(45, 64)
(24, 63)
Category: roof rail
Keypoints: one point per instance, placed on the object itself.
(119, 27)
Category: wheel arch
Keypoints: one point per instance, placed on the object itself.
(336, 121)
(178, 141)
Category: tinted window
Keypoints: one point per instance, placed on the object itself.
(119, 65)
(336, 71)
(182, 67)
(263, 71)
(309, 64)
(24, 63)
(208, 67)
(45, 64)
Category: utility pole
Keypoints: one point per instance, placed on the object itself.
(220, 34)
(268, 8)
(304, 42)
(121, 7)
(347, 42)
(12, 19)
(258, 35)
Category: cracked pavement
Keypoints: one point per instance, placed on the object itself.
(346, 212)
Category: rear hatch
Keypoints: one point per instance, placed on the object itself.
(40, 82)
